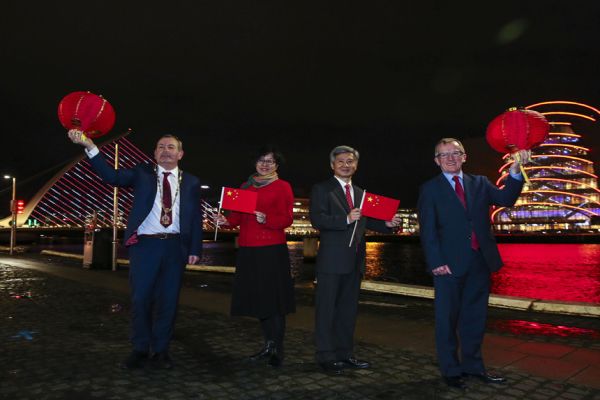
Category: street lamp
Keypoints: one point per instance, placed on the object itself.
(13, 210)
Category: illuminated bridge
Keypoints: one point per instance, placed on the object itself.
(563, 194)
(76, 193)
(76, 196)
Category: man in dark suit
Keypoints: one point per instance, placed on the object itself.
(461, 254)
(340, 263)
(164, 232)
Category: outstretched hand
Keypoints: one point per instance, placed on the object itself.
(520, 157)
(78, 137)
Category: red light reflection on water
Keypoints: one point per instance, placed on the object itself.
(520, 327)
(566, 272)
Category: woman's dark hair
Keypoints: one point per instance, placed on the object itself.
(269, 148)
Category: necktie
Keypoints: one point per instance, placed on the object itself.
(460, 192)
(349, 196)
(166, 214)
(351, 205)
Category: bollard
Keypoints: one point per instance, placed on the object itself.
(310, 246)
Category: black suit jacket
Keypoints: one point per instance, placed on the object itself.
(446, 226)
(328, 213)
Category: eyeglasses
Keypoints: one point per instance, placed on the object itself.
(454, 154)
(265, 161)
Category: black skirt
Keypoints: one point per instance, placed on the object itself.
(263, 285)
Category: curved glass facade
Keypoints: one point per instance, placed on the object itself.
(563, 192)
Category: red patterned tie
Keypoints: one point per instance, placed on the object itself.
(349, 196)
(460, 192)
(166, 215)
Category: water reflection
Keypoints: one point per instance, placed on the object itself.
(568, 272)
(519, 327)
(396, 262)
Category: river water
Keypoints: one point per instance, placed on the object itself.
(566, 272)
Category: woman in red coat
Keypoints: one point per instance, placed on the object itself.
(263, 286)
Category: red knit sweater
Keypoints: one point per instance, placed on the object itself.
(276, 201)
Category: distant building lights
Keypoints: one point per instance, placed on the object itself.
(565, 181)
(569, 114)
(571, 146)
(528, 168)
(560, 205)
(573, 135)
(589, 199)
(557, 102)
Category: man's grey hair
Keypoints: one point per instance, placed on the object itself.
(340, 150)
(446, 141)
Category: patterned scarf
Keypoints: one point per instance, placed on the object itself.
(257, 180)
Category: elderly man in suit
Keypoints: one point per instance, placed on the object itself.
(340, 263)
(164, 232)
(461, 254)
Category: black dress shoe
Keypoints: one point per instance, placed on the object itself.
(161, 360)
(486, 377)
(355, 364)
(265, 352)
(276, 359)
(333, 367)
(136, 359)
(455, 382)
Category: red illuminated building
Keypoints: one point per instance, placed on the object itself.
(563, 194)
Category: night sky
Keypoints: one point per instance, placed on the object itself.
(387, 77)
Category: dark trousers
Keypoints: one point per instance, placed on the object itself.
(156, 269)
(460, 316)
(335, 314)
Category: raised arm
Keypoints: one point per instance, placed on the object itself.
(120, 177)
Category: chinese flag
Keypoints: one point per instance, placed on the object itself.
(379, 207)
(238, 200)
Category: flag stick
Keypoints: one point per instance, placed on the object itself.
(219, 212)
(115, 228)
(356, 222)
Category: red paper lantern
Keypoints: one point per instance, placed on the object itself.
(86, 111)
(517, 129)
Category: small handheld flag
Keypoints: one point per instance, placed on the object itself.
(379, 207)
(238, 200)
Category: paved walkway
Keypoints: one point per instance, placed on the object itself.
(64, 330)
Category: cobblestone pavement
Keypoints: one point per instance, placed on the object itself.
(61, 339)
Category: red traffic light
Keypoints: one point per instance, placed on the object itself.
(20, 206)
